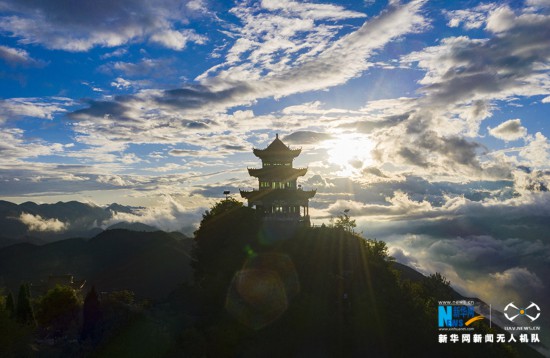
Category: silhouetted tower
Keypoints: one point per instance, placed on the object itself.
(279, 198)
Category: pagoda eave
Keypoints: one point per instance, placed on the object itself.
(278, 172)
(269, 154)
(278, 194)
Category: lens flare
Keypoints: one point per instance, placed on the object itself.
(259, 293)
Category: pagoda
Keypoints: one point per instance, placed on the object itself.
(278, 198)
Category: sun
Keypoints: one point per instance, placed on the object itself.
(351, 152)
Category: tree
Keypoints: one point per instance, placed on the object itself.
(220, 209)
(345, 222)
(24, 312)
(58, 309)
(223, 238)
(10, 305)
(91, 315)
(227, 234)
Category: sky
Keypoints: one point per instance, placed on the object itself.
(426, 119)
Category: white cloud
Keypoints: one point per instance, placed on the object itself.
(18, 57)
(537, 150)
(471, 18)
(121, 83)
(146, 67)
(311, 10)
(196, 5)
(37, 223)
(538, 3)
(14, 146)
(113, 179)
(517, 278)
(495, 268)
(501, 19)
(117, 53)
(465, 79)
(177, 40)
(157, 116)
(509, 130)
(81, 26)
(398, 206)
(168, 215)
(14, 108)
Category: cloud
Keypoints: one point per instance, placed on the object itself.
(37, 223)
(538, 3)
(121, 83)
(306, 137)
(509, 130)
(191, 116)
(461, 69)
(464, 79)
(334, 64)
(398, 206)
(115, 180)
(14, 146)
(517, 278)
(81, 26)
(471, 18)
(146, 67)
(537, 150)
(500, 19)
(18, 57)
(310, 10)
(116, 53)
(529, 181)
(403, 257)
(46, 108)
(168, 215)
(177, 40)
(496, 269)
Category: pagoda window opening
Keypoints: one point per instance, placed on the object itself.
(269, 164)
(278, 185)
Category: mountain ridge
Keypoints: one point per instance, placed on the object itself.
(149, 263)
(43, 223)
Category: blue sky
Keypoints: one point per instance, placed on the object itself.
(411, 114)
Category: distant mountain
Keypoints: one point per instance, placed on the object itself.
(133, 227)
(41, 223)
(117, 208)
(151, 264)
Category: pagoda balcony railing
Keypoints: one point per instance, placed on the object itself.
(277, 166)
(285, 217)
(270, 188)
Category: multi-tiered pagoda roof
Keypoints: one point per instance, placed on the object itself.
(278, 197)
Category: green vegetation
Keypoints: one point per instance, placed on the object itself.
(345, 222)
(24, 313)
(343, 295)
(10, 305)
(321, 291)
(91, 316)
(58, 311)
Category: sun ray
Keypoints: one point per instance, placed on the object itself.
(350, 152)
